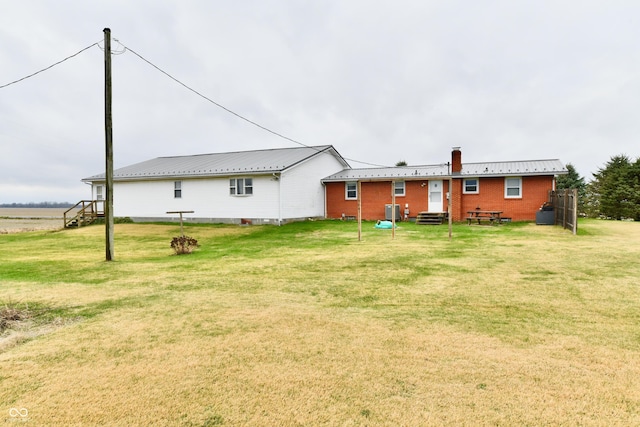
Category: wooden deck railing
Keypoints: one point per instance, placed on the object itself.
(83, 213)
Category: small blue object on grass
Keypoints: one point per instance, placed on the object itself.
(384, 224)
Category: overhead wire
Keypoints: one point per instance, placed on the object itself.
(49, 67)
(201, 95)
(240, 116)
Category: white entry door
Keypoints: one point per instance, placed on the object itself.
(435, 196)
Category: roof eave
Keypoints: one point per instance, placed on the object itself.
(503, 174)
(179, 177)
(437, 176)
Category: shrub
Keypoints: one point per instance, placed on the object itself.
(11, 315)
(183, 245)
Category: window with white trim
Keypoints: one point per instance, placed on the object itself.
(177, 189)
(471, 186)
(399, 188)
(513, 188)
(99, 192)
(351, 190)
(241, 186)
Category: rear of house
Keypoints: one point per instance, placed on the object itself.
(281, 185)
(516, 188)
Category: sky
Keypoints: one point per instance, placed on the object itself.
(381, 81)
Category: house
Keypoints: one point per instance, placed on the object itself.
(261, 186)
(281, 185)
(516, 188)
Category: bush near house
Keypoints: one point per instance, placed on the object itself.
(183, 245)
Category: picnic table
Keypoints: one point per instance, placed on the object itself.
(492, 217)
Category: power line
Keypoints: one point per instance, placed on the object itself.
(49, 67)
(231, 111)
(126, 48)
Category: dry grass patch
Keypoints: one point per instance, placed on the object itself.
(304, 325)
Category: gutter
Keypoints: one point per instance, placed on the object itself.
(279, 179)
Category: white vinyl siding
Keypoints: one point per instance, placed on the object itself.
(301, 192)
(294, 193)
(207, 197)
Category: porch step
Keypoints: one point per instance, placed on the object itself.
(83, 213)
(431, 218)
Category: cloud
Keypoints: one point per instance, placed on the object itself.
(380, 81)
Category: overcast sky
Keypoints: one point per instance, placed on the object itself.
(382, 81)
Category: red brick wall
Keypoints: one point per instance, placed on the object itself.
(491, 197)
(375, 195)
(457, 213)
(336, 203)
(416, 196)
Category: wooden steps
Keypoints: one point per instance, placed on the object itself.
(431, 218)
(83, 213)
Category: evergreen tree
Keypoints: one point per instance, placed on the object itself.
(615, 189)
(634, 182)
(571, 181)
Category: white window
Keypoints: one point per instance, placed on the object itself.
(399, 188)
(471, 186)
(351, 190)
(241, 186)
(513, 188)
(177, 189)
(99, 192)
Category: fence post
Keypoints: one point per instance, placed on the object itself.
(575, 210)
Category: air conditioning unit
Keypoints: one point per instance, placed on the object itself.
(388, 212)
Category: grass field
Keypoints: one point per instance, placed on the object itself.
(304, 325)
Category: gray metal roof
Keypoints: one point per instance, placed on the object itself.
(398, 172)
(515, 168)
(219, 164)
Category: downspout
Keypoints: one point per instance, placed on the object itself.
(324, 193)
(279, 179)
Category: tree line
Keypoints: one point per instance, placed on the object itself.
(614, 191)
(56, 205)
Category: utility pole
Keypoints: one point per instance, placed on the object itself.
(359, 190)
(449, 205)
(449, 200)
(108, 127)
(393, 209)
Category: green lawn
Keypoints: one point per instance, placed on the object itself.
(305, 325)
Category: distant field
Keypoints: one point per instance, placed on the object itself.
(15, 220)
(32, 212)
(304, 325)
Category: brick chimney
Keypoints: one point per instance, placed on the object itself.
(456, 160)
